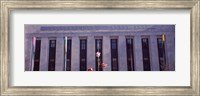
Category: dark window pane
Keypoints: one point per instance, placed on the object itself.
(52, 52)
(69, 44)
(98, 48)
(114, 43)
(161, 54)
(83, 55)
(114, 55)
(83, 44)
(98, 43)
(37, 55)
(145, 52)
(130, 56)
(53, 43)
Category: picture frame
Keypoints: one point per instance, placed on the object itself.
(7, 6)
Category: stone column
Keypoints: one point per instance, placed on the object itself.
(138, 53)
(28, 54)
(170, 52)
(154, 53)
(44, 54)
(122, 53)
(107, 52)
(59, 54)
(75, 59)
(91, 52)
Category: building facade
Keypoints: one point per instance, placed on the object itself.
(121, 47)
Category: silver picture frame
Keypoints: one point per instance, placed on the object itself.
(6, 7)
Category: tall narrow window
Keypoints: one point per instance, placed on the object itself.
(98, 48)
(69, 45)
(130, 56)
(161, 54)
(114, 55)
(52, 53)
(83, 54)
(145, 52)
(36, 46)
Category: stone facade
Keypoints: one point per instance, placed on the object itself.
(90, 32)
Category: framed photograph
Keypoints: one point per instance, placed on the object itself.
(100, 47)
